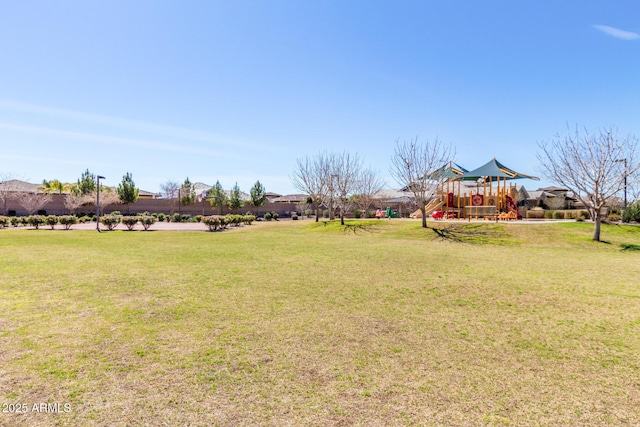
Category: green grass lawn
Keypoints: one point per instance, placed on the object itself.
(297, 323)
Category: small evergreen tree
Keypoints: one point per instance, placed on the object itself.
(127, 191)
(258, 195)
(235, 201)
(217, 196)
(186, 193)
(86, 184)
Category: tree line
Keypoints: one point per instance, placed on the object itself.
(596, 166)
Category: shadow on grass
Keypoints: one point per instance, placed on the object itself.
(630, 247)
(356, 228)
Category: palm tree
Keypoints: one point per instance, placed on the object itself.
(55, 186)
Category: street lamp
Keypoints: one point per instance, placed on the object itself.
(625, 179)
(98, 178)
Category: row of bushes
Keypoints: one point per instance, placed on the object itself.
(112, 221)
(631, 214)
(215, 222)
(39, 220)
(557, 214)
(177, 217)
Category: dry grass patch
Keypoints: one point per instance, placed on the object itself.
(306, 324)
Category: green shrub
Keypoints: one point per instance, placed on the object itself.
(569, 215)
(267, 216)
(185, 218)
(15, 221)
(294, 216)
(116, 213)
(632, 213)
(67, 221)
(4, 221)
(147, 221)
(548, 214)
(51, 221)
(23, 220)
(248, 213)
(248, 219)
(308, 212)
(130, 222)
(35, 221)
(535, 214)
(614, 217)
(162, 217)
(110, 221)
(198, 218)
(213, 222)
(558, 215)
(274, 215)
(176, 217)
(233, 219)
(357, 213)
(325, 213)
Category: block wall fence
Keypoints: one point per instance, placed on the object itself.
(56, 207)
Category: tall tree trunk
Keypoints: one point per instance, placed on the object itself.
(423, 209)
(597, 220)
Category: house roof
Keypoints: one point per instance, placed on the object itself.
(200, 187)
(389, 193)
(18, 186)
(145, 193)
(552, 189)
(290, 198)
(539, 193)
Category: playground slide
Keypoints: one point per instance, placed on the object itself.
(432, 206)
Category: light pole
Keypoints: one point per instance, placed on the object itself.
(98, 178)
(625, 179)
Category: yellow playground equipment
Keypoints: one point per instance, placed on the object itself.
(489, 196)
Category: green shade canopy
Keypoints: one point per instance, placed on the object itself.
(494, 170)
(450, 171)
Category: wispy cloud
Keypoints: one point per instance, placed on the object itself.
(126, 142)
(617, 33)
(183, 134)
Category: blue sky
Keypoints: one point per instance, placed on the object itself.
(235, 91)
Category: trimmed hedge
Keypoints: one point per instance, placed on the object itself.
(67, 221)
(110, 221)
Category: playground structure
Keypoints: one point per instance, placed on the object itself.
(490, 195)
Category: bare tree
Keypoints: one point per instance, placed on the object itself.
(413, 165)
(6, 189)
(33, 202)
(595, 166)
(369, 183)
(555, 203)
(107, 198)
(170, 190)
(345, 170)
(309, 176)
(74, 201)
(329, 179)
